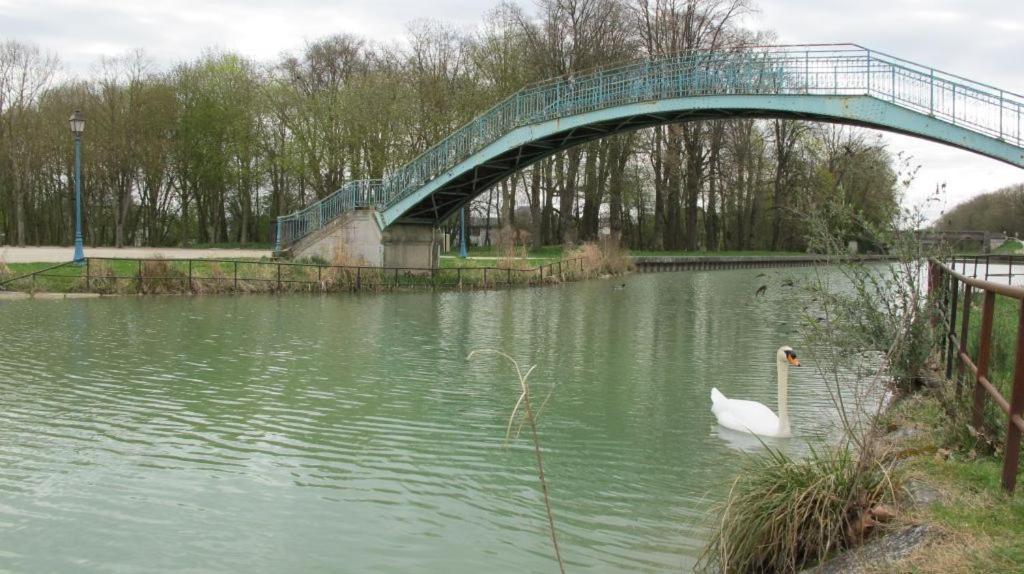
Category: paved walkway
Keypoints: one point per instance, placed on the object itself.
(59, 254)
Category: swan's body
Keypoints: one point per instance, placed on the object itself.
(754, 417)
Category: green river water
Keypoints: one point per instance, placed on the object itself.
(348, 433)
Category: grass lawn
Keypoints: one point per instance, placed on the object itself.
(1011, 247)
(644, 253)
(231, 246)
(545, 252)
(557, 251)
(1004, 338)
(451, 262)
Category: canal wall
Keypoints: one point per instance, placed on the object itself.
(658, 263)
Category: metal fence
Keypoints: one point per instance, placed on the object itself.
(956, 291)
(844, 69)
(153, 276)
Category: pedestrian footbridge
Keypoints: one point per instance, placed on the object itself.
(391, 221)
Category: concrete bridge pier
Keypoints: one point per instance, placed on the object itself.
(410, 245)
(355, 238)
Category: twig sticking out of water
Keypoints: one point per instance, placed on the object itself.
(529, 417)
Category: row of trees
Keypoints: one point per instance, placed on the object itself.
(214, 149)
(1000, 211)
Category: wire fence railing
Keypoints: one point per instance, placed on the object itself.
(1003, 268)
(198, 276)
(839, 70)
(958, 292)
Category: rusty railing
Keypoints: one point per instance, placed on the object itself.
(956, 291)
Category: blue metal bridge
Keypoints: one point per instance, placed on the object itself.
(845, 84)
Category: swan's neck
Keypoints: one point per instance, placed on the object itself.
(783, 396)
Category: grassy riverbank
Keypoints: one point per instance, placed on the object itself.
(917, 466)
(207, 276)
(558, 251)
(978, 528)
(485, 267)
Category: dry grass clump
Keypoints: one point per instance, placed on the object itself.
(335, 278)
(101, 278)
(213, 280)
(784, 514)
(513, 255)
(602, 258)
(161, 276)
(5, 271)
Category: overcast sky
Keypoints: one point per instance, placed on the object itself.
(979, 39)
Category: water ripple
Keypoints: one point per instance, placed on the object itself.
(306, 433)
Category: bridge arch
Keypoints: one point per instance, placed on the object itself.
(440, 197)
(844, 84)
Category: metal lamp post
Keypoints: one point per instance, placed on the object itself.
(462, 233)
(77, 127)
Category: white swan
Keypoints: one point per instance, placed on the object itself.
(753, 417)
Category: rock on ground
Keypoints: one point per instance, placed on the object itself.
(880, 552)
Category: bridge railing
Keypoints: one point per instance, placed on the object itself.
(839, 70)
(358, 194)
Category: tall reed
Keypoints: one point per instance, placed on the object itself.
(529, 417)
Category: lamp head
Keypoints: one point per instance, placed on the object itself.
(77, 122)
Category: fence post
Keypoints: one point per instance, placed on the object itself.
(508, 276)
(869, 72)
(236, 277)
(319, 277)
(893, 70)
(279, 277)
(485, 277)
(984, 352)
(965, 323)
(954, 291)
(139, 286)
(460, 276)
(88, 277)
(359, 279)
(1012, 461)
(1001, 97)
(190, 275)
(931, 93)
(277, 238)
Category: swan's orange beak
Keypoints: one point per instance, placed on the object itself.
(792, 360)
